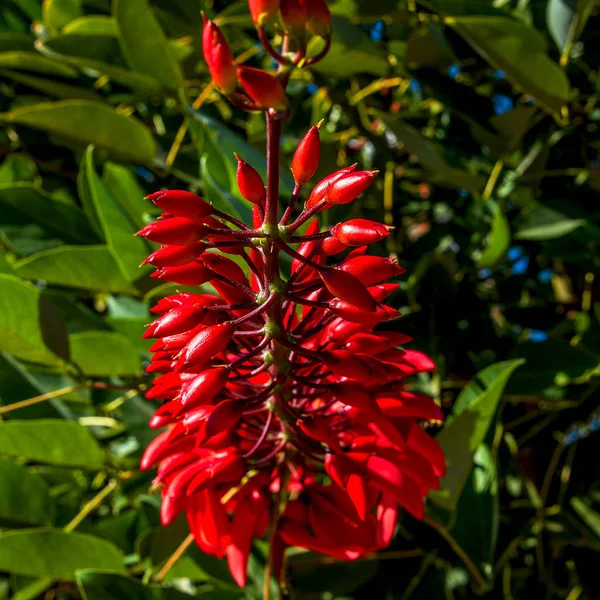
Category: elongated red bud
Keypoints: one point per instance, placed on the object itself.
(293, 17)
(307, 155)
(331, 246)
(318, 17)
(182, 204)
(367, 343)
(263, 89)
(192, 274)
(345, 364)
(204, 387)
(224, 266)
(177, 231)
(250, 183)
(348, 187)
(320, 189)
(263, 11)
(359, 232)
(353, 394)
(354, 314)
(177, 320)
(349, 289)
(225, 415)
(206, 344)
(175, 256)
(372, 270)
(219, 58)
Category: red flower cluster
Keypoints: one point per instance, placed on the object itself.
(286, 410)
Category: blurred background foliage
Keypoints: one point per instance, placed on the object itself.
(483, 119)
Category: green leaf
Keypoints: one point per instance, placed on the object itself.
(467, 426)
(30, 61)
(498, 239)
(352, 52)
(62, 218)
(89, 123)
(85, 267)
(127, 250)
(10, 40)
(95, 68)
(31, 8)
(51, 441)
(430, 157)
(95, 46)
(144, 44)
(111, 586)
(519, 51)
(544, 223)
(95, 24)
(587, 514)
(563, 15)
(126, 190)
(18, 483)
(103, 354)
(55, 553)
(30, 327)
(17, 168)
(58, 13)
(52, 88)
(18, 384)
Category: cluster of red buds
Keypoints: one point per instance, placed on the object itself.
(286, 407)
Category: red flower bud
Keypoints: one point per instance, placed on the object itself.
(225, 415)
(175, 256)
(181, 203)
(372, 270)
(263, 89)
(192, 274)
(349, 186)
(353, 394)
(354, 314)
(293, 17)
(224, 266)
(318, 17)
(204, 387)
(177, 231)
(306, 157)
(206, 344)
(250, 183)
(358, 232)
(321, 188)
(331, 246)
(177, 320)
(349, 289)
(263, 11)
(218, 56)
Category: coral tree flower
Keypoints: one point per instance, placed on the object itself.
(255, 410)
(283, 400)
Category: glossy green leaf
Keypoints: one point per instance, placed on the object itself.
(544, 223)
(89, 123)
(30, 326)
(520, 51)
(50, 87)
(128, 250)
(55, 553)
(126, 190)
(31, 8)
(144, 44)
(17, 168)
(96, 68)
(112, 586)
(64, 219)
(35, 63)
(467, 427)
(430, 157)
(51, 441)
(58, 13)
(567, 19)
(18, 483)
(94, 24)
(588, 515)
(498, 239)
(11, 40)
(102, 354)
(94, 46)
(85, 267)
